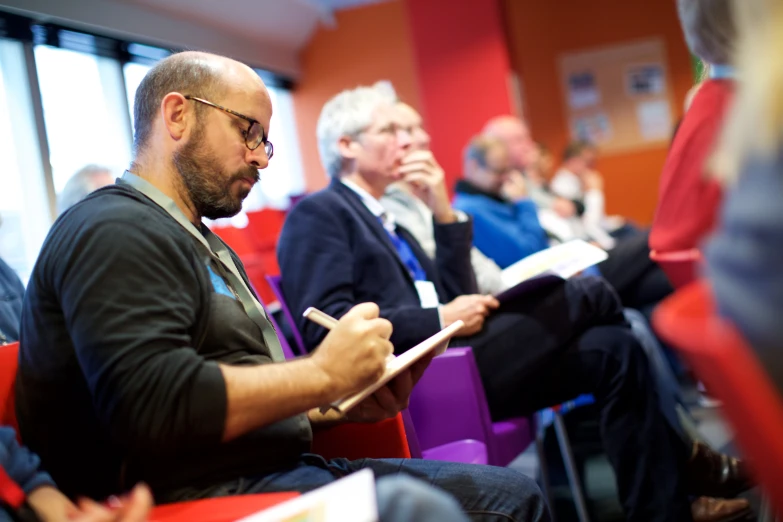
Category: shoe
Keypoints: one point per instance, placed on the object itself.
(706, 509)
(714, 474)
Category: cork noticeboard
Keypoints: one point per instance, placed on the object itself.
(618, 97)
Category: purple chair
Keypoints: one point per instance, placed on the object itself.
(449, 403)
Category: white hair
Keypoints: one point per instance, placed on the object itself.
(85, 181)
(709, 29)
(347, 114)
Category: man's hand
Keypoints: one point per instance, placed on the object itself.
(134, 507)
(392, 398)
(52, 506)
(565, 208)
(514, 187)
(472, 309)
(593, 181)
(425, 176)
(353, 355)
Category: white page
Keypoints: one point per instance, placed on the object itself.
(563, 261)
(350, 499)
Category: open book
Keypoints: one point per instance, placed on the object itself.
(394, 365)
(350, 499)
(548, 266)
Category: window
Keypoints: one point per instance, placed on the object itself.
(134, 73)
(85, 111)
(24, 207)
(284, 176)
(87, 86)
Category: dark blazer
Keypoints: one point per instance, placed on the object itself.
(334, 253)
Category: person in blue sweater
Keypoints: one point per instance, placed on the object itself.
(29, 494)
(506, 226)
(11, 295)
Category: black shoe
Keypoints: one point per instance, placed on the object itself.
(714, 474)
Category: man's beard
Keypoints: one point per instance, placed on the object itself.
(206, 182)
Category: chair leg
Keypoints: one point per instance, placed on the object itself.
(765, 512)
(571, 469)
(543, 469)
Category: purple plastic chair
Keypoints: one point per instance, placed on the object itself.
(449, 403)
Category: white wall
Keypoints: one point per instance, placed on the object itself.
(132, 22)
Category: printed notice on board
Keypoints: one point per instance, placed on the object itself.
(654, 118)
(642, 80)
(582, 90)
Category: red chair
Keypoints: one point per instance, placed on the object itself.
(680, 266)
(729, 368)
(380, 440)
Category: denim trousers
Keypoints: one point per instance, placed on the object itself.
(407, 489)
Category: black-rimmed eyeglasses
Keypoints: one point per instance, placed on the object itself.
(254, 135)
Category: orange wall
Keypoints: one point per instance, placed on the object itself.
(538, 32)
(368, 44)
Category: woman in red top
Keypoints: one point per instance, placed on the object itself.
(688, 199)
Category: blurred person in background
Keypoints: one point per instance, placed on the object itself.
(87, 180)
(688, 198)
(11, 295)
(745, 256)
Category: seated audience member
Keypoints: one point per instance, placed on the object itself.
(142, 336)
(743, 258)
(577, 180)
(535, 164)
(32, 495)
(87, 180)
(340, 247)
(412, 213)
(688, 198)
(507, 228)
(12, 292)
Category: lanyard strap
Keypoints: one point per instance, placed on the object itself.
(217, 251)
(10, 493)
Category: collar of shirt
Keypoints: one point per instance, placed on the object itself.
(373, 205)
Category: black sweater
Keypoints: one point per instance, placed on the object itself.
(121, 335)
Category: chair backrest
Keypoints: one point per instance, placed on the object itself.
(275, 283)
(680, 266)
(9, 362)
(448, 403)
(730, 370)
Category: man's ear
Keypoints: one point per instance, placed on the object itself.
(177, 115)
(348, 147)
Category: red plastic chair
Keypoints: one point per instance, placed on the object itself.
(354, 441)
(729, 368)
(680, 266)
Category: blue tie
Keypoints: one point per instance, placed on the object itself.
(406, 255)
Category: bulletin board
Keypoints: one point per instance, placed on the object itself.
(619, 97)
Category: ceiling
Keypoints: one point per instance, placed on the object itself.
(288, 23)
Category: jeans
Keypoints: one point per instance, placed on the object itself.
(484, 493)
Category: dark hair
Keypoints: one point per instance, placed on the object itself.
(575, 148)
(187, 73)
(479, 147)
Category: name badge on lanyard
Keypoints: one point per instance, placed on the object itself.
(428, 296)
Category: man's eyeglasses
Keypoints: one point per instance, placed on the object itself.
(254, 134)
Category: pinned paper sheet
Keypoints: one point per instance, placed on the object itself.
(654, 117)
